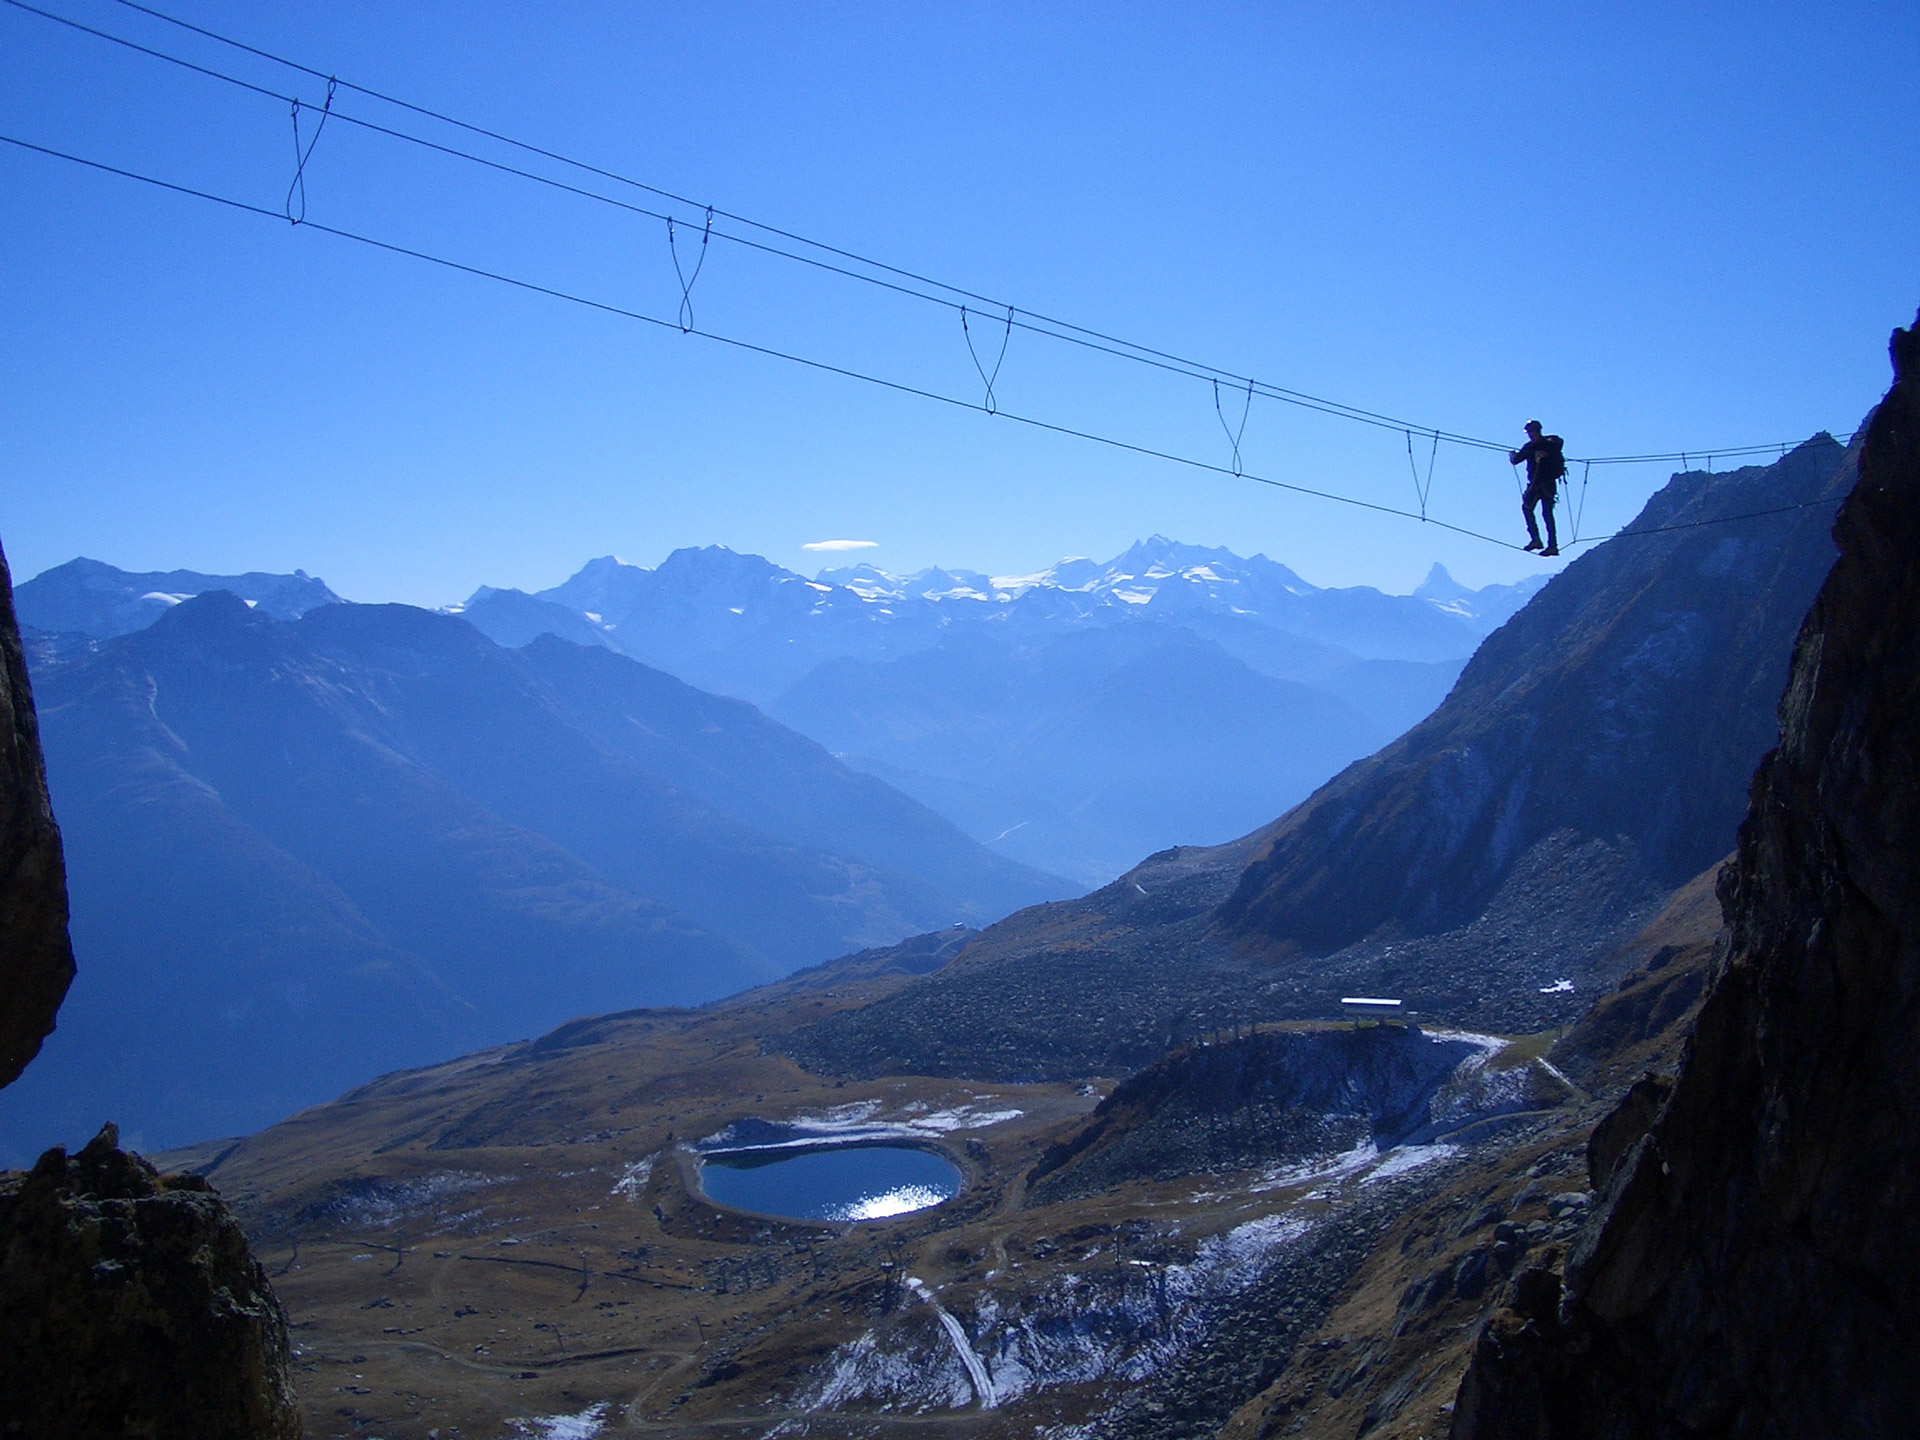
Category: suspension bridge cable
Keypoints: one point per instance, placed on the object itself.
(1634, 532)
(827, 367)
(1031, 321)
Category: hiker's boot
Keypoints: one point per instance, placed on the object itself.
(1531, 545)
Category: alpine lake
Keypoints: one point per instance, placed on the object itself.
(834, 1182)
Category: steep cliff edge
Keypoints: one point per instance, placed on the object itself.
(1753, 1266)
(36, 961)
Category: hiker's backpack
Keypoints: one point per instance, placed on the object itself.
(1553, 464)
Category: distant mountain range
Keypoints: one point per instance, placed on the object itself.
(743, 625)
(310, 850)
(87, 597)
(1072, 719)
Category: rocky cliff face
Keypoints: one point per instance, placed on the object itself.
(132, 1306)
(36, 960)
(1753, 1268)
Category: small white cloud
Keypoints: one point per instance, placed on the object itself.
(841, 545)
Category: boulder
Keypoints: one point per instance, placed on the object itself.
(130, 1305)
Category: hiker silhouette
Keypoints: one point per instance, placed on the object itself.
(1546, 464)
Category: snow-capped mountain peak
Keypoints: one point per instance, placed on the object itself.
(746, 626)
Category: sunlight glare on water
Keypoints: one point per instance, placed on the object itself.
(901, 1200)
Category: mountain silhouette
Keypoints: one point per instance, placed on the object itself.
(91, 598)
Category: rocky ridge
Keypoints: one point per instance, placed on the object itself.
(1626, 704)
(1750, 1269)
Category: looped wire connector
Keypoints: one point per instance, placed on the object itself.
(1234, 434)
(302, 154)
(991, 404)
(686, 280)
(1423, 491)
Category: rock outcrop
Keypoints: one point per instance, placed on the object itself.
(130, 1305)
(1753, 1266)
(1258, 1098)
(36, 960)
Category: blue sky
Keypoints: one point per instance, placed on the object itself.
(1655, 227)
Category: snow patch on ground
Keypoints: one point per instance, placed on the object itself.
(385, 1203)
(1475, 1090)
(586, 1425)
(633, 1179)
(1121, 1324)
(977, 1376)
(1405, 1158)
(860, 1122)
(1320, 1171)
(901, 1374)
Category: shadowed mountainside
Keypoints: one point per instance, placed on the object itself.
(1266, 1096)
(312, 851)
(762, 774)
(1753, 1267)
(1626, 704)
(1089, 750)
